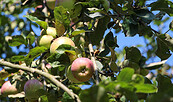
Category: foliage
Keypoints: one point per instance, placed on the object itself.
(93, 25)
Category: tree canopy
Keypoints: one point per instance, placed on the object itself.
(45, 65)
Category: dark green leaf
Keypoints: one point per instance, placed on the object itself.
(17, 58)
(17, 40)
(133, 54)
(43, 24)
(145, 15)
(171, 25)
(108, 37)
(162, 48)
(129, 28)
(94, 94)
(164, 83)
(99, 31)
(126, 75)
(31, 38)
(161, 5)
(128, 90)
(35, 52)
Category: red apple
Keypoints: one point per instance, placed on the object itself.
(59, 41)
(45, 40)
(31, 87)
(51, 31)
(8, 89)
(70, 76)
(82, 69)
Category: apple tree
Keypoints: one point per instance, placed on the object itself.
(66, 51)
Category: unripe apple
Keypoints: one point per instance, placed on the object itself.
(45, 40)
(65, 3)
(8, 89)
(51, 31)
(31, 87)
(70, 76)
(82, 69)
(59, 41)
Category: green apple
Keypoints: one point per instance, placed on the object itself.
(70, 76)
(31, 87)
(45, 40)
(82, 69)
(59, 41)
(51, 31)
(8, 89)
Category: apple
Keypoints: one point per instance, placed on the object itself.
(51, 31)
(65, 3)
(45, 40)
(31, 87)
(8, 89)
(70, 76)
(59, 41)
(82, 69)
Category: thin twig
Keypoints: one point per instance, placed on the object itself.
(46, 75)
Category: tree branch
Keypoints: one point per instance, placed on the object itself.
(47, 75)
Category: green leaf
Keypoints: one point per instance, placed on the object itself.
(137, 79)
(35, 52)
(145, 15)
(66, 98)
(17, 40)
(17, 58)
(94, 94)
(128, 90)
(162, 48)
(44, 98)
(105, 47)
(61, 54)
(99, 31)
(133, 54)
(145, 88)
(161, 5)
(31, 38)
(77, 31)
(129, 28)
(126, 75)
(62, 16)
(43, 24)
(164, 83)
(76, 11)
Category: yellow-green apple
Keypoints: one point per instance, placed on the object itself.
(8, 89)
(82, 69)
(31, 87)
(59, 41)
(70, 76)
(51, 31)
(65, 3)
(62, 40)
(45, 40)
